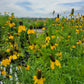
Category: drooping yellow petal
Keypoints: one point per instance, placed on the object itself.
(35, 78)
(57, 63)
(3, 72)
(52, 65)
(40, 81)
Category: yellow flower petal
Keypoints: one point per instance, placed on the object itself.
(52, 65)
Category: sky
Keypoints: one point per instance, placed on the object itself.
(41, 8)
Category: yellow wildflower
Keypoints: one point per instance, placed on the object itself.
(78, 42)
(18, 55)
(14, 57)
(73, 46)
(6, 39)
(31, 47)
(56, 44)
(70, 14)
(30, 31)
(80, 26)
(47, 38)
(38, 79)
(59, 54)
(8, 22)
(11, 37)
(27, 67)
(21, 28)
(5, 62)
(47, 44)
(8, 76)
(19, 67)
(69, 36)
(57, 63)
(11, 24)
(3, 72)
(53, 47)
(11, 44)
(54, 62)
(10, 57)
(53, 36)
(77, 31)
(43, 28)
(57, 19)
(7, 50)
(44, 45)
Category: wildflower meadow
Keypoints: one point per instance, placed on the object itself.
(53, 56)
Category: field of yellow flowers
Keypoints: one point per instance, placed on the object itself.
(55, 56)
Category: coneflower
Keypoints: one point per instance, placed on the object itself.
(38, 79)
(72, 11)
(54, 62)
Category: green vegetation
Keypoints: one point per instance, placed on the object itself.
(56, 56)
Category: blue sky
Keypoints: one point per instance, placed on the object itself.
(41, 8)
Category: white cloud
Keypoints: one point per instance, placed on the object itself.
(47, 7)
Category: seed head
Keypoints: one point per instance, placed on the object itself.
(38, 73)
(20, 22)
(52, 58)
